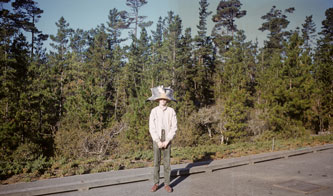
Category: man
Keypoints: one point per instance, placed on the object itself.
(162, 128)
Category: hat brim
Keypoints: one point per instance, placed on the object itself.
(158, 99)
(164, 93)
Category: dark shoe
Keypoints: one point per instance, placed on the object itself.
(155, 187)
(168, 189)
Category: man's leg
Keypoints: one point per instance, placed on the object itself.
(157, 163)
(166, 164)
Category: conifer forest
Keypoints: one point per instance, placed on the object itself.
(86, 97)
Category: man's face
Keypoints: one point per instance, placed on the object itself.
(163, 102)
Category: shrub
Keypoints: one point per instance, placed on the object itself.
(39, 165)
(73, 142)
(26, 158)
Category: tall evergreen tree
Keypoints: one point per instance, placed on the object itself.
(324, 73)
(157, 59)
(233, 87)
(275, 23)
(100, 79)
(29, 10)
(226, 13)
(203, 55)
(170, 49)
(78, 43)
(203, 14)
(186, 74)
(119, 92)
(89, 96)
(297, 70)
(116, 23)
(158, 34)
(14, 75)
(287, 88)
(26, 118)
(134, 18)
(308, 31)
(136, 83)
(58, 60)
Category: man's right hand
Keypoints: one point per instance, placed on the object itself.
(160, 145)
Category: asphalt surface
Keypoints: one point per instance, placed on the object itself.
(307, 174)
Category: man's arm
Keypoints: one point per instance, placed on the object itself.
(152, 127)
(173, 129)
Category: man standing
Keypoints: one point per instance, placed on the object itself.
(162, 128)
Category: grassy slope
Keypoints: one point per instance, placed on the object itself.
(139, 159)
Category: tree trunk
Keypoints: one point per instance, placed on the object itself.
(222, 139)
(116, 104)
(32, 37)
(174, 63)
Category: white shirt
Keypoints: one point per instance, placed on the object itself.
(162, 118)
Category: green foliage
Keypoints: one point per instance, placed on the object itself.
(276, 22)
(203, 14)
(82, 107)
(235, 115)
(226, 13)
(324, 75)
(27, 158)
(225, 28)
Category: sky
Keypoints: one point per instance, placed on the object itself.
(88, 14)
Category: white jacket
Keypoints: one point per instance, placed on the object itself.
(158, 116)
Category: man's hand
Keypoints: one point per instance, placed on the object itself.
(160, 144)
(165, 144)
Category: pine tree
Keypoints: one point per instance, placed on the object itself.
(324, 73)
(40, 106)
(14, 68)
(78, 43)
(226, 13)
(308, 31)
(235, 90)
(171, 34)
(58, 60)
(119, 95)
(203, 14)
(158, 34)
(116, 23)
(235, 115)
(297, 71)
(157, 59)
(134, 18)
(275, 22)
(89, 100)
(137, 70)
(287, 88)
(203, 56)
(26, 120)
(185, 82)
(28, 10)
(99, 79)
(270, 85)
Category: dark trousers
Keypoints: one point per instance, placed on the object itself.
(166, 163)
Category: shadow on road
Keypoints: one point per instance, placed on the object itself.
(185, 172)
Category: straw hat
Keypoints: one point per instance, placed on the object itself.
(161, 92)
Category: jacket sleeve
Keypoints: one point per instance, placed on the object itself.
(173, 127)
(152, 127)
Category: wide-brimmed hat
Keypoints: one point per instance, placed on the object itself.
(161, 92)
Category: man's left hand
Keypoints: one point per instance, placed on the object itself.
(165, 144)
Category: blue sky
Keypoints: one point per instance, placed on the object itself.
(87, 14)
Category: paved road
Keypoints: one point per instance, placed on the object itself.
(308, 174)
